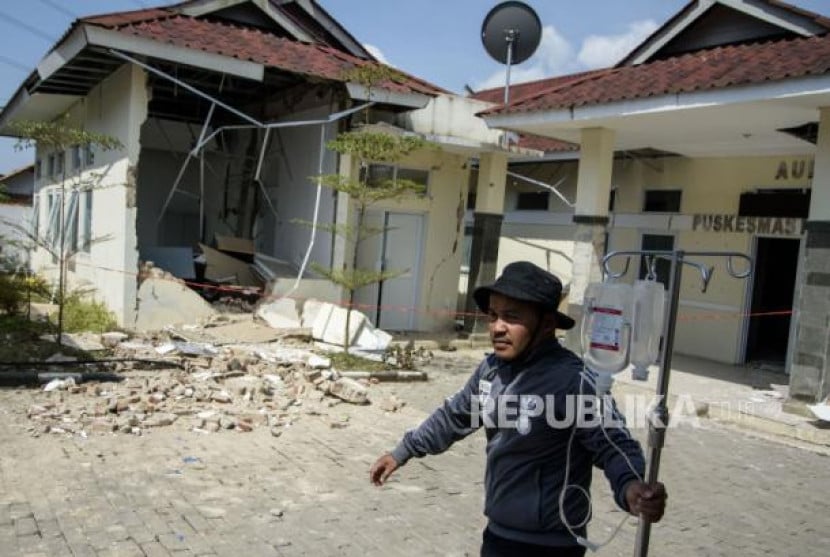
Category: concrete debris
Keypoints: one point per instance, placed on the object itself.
(59, 384)
(280, 314)
(113, 338)
(318, 362)
(187, 348)
(392, 404)
(163, 301)
(330, 323)
(311, 307)
(821, 411)
(208, 389)
(87, 342)
(349, 390)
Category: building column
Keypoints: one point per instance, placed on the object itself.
(810, 367)
(488, 216)
(593, 188)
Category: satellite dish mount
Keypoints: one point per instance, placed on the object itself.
(511, 33)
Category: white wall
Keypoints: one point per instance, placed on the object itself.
(116, 107)
(12, 243)
(711, 324)
(13, 213)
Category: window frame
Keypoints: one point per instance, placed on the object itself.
(366, 172)
(644, 207)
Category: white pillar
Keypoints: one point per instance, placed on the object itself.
(488, 215)
(593, 188)
(492, 176)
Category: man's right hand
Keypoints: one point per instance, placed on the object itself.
(382, 469)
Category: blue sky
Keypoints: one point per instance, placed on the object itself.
(437, 40)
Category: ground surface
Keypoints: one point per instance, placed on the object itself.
(173, 491)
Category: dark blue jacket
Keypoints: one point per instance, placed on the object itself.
(526, 458)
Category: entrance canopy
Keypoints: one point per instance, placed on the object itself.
(738, 100)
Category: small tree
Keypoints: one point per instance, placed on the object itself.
(365, 147)
(58, 136)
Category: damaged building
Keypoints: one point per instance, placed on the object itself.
(223, 110)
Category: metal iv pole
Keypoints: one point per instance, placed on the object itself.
(659, 416)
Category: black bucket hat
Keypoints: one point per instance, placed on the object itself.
(522, 280)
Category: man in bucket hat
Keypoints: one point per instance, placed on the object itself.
(538, 460)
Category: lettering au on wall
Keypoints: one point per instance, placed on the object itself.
(795, 169)
(725, 223)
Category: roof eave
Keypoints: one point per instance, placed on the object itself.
(86, 35)
(410, 100)
(106, 38)
(585, 116)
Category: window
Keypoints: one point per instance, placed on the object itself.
(59, 160)
(52, 236)
(418, 176)
(71, 223)
(35, 225)
(76, 157)
(657, 242)
(775, 203)
(375, 174)
(38, 169)
(87, 219)
(533, 201)
(50, 165)
(662, 201)
(89, 155)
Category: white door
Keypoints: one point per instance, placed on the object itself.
(391, 304)
(401, 252)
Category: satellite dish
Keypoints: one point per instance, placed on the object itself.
(511, 33)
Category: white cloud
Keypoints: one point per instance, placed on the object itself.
(376, 52)
(600, 51)
(555, 56)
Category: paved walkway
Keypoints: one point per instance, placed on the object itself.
(176, 492)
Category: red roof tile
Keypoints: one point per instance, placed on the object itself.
(718, 68)
(546, 144)
(125, 18)
(247, 43)
(519, 91)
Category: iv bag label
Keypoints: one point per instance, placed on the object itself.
(606, 329)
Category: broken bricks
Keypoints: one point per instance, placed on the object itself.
(227, 388)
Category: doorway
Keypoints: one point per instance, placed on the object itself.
(662, 267)
(391, 304)
(776, 262)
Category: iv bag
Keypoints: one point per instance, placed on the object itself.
(647, 326)
(606, 328)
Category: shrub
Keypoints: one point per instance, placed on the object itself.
(82, 314)
(12, 294)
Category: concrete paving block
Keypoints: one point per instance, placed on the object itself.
(163, 302)
(25, 527)
(280, 314)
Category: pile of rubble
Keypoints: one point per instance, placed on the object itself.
(239, 388)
